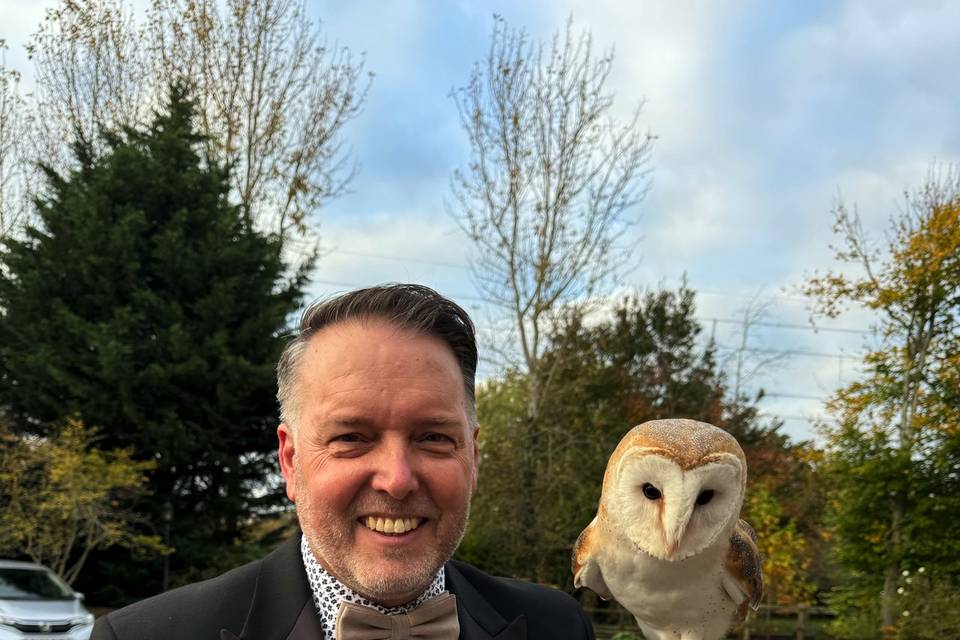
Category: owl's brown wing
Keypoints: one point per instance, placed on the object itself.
(743, 580)
(586, 570)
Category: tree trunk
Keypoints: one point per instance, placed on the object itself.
(888, 608)
(529, 476)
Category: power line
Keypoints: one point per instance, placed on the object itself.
(792, 352)
(795, 418)
(704, 319)
(700, 291)
(748, 296)
(791, 396)
(787, 325)
(454, 265)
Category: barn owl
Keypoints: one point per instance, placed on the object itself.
(667, 541)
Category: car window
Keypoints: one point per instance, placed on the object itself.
(32, 584)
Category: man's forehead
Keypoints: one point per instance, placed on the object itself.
(353, 342)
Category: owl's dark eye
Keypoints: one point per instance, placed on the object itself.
(705, 496)
(651, 492)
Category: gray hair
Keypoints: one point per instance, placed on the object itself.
(407, 306)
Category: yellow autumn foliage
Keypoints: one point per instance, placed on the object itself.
(786, 559)
(63, 498)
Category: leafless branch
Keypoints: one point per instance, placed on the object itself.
(547, 195)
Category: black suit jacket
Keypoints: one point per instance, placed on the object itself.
(270, 599)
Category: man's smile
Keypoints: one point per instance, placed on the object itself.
(391, 526)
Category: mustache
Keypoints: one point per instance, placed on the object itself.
(417, 505)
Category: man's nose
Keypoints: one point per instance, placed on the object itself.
(395, 474)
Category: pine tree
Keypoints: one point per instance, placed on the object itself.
(144, 302)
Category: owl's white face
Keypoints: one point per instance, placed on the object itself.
(670, 513)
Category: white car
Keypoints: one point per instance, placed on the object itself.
(36, 604)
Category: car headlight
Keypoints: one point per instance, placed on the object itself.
(86, 618)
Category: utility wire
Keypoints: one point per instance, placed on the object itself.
(787, 325)
(464, 267)
(791, 396)
(792, 352)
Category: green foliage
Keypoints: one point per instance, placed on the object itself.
(256, 539)
(891, 458)
(929, 606)
(641, 363)
(858, 609)
(865, 469)
(64, 498)
(926, 606)
(144, 302)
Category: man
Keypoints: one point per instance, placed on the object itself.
(378, 448)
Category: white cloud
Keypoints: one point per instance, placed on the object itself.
(763, 114)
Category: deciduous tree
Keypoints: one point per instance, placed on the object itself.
(895, 422)
(547, 194)
(272, 94)
(15, 134)
(644, 361)
(551, 182)
(64, 498)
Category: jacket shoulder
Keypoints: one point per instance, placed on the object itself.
(195, 610)
(550, 613)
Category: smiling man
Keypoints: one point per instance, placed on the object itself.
(378, 447)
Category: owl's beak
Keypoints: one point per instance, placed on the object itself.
(677, 519)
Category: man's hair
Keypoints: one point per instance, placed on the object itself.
(412, 307)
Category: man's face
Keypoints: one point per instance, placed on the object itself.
(384, 444)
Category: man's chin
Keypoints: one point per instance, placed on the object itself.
(391, 583)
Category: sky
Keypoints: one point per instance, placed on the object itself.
(765, 113)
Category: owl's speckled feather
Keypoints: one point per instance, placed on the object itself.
(689, 443)
(744, 564)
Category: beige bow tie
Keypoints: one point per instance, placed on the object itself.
(436, 619)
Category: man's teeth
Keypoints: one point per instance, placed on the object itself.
(391, 525)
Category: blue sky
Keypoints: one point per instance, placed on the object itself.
(764, 113)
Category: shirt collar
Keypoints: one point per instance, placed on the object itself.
(328, 592)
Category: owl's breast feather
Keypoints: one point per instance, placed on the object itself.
(668, 594)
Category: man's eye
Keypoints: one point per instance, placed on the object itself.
(348, 438)
(437, 437)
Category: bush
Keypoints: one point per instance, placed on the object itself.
(930, 607)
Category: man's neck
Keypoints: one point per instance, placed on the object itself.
(328, 592)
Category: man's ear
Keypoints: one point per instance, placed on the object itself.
(476, 457)
(286, 452)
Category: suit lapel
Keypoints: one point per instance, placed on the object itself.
(307, 626)
(282, 606)
(478, 619)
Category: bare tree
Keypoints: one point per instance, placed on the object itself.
(91, 71)
(747, 362)
(552, 178)
(15, 125)
(273, 95)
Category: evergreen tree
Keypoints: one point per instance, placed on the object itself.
(144, 302)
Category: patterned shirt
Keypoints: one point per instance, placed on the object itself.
(328, 592)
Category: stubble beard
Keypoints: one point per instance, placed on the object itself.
(331, 538)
